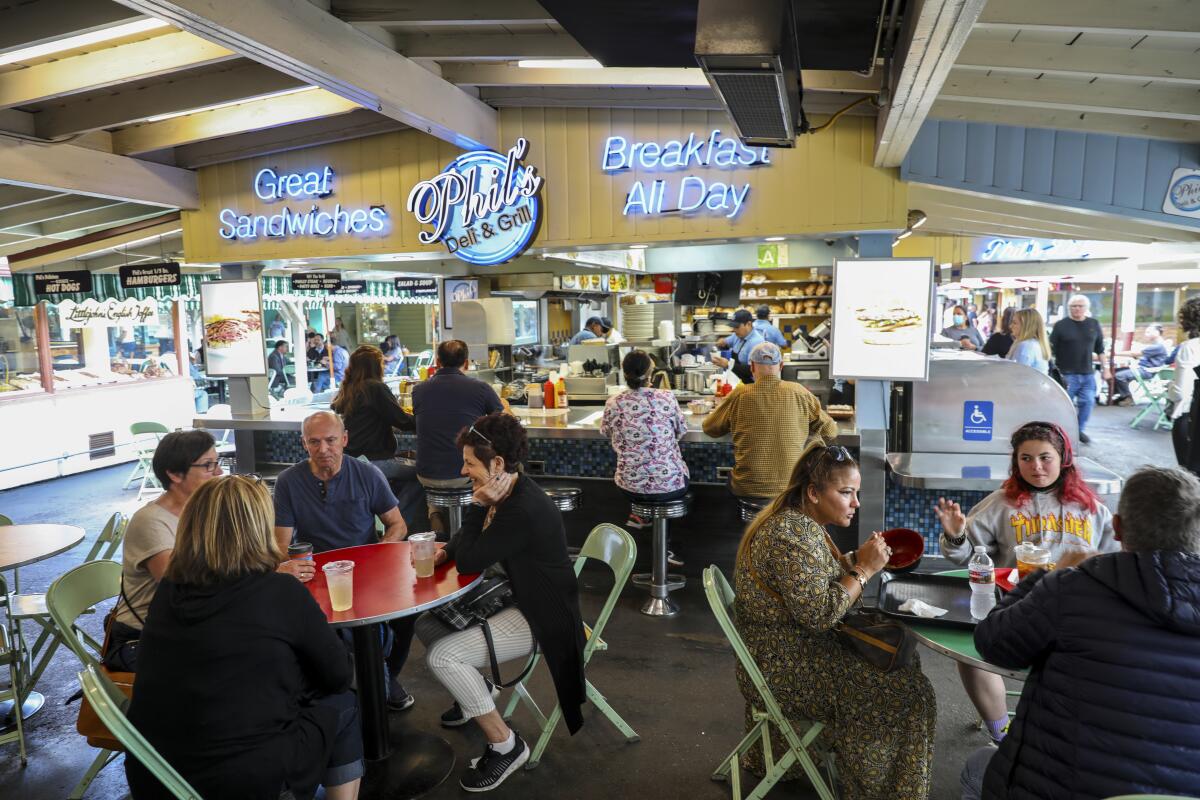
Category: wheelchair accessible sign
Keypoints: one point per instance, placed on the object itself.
(977, 421)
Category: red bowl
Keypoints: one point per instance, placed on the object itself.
(907, 548)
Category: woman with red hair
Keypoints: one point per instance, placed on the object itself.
(1044, 502)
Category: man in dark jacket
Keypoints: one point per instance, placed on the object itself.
(1112, 703)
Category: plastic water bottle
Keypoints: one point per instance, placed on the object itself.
(983, 583)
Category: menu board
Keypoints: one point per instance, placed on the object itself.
(417, 287)
(233, 335)
(882, 313)
(141, 276)
(50, 284)
(316, 281)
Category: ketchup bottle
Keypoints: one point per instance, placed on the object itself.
(549, 390)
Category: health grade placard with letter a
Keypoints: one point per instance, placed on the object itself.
(882, 311)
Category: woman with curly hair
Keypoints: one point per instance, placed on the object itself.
(1187, 358)
(793, 590)
(1044, 501)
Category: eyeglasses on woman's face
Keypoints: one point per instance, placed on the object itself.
(211, 466)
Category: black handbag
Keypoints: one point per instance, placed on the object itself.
(492, 595)
(882, 642)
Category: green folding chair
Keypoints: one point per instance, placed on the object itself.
(616, 548)
(720, 599)
(32, 607)
(146, 436)
(15, 656)
(109, 704)
(1152, 797)
(70, 596)
(1155, 390)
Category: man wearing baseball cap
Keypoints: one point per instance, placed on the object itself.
(771, 420)
(744, 339)
(592, 329)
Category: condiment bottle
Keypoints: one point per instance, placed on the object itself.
(560, 393)
(548, 392)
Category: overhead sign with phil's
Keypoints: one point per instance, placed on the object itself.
(483, 206)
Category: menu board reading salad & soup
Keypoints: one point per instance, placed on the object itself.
(233, 334)
(882, 312)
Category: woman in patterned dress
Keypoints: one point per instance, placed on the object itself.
(793, 587)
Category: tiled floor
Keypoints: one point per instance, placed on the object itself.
(671, 679)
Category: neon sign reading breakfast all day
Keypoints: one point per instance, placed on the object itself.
(483, 206)
(693, 193)
(272, 186)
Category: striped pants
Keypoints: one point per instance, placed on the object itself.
(455, 657)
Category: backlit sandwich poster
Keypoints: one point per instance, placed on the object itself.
(882, 312)
(233, 334)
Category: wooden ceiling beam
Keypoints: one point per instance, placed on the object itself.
(1103, 97)
(1080, 60)
(109, 66)
(1163, 17)
(1061, 119)
(46, 210)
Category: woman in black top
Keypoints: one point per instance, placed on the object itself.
(372, 414)
(517, 526)
(1001, 341)
(242, 685)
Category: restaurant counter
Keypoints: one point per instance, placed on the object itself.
(567, 445)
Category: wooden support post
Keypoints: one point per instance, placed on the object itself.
(41, 327)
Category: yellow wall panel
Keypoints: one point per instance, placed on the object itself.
(825, 185)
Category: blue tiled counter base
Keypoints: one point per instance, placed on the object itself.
(913, 508)
(568, 458)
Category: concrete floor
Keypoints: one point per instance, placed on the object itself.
(672, 680)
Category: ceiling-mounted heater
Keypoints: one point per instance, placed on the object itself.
(747, 50)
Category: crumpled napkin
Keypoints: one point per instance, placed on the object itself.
(920, 608)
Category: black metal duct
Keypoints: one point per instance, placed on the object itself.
(747, 50)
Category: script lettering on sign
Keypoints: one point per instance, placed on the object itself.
(110, 313)
(692, 193)
(271, 186)
(483, 207)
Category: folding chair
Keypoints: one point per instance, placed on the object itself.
(109, 704)
(70, 596)
(15, 656)
(1152, 797)
(146, 436)
(1155, 390)
(720, 599)
(32, 607)
(616, 548)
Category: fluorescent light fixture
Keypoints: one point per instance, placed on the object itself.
(907, 232)
(228, 104)
(82, 40)
(638, 246)
(560, 63)
(774, 239)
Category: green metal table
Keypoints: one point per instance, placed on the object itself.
(958, 643)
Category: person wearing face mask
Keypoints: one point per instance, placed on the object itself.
(962, 331)
(793, 589)
(515, 524)
(1045, 502)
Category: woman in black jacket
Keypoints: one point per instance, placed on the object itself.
(242, 685)
(515, 525)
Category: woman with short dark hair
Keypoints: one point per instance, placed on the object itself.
(962, 331)
(1001, 340)
(243, 686)
(516, 525)
(644, 426)
(182, 462)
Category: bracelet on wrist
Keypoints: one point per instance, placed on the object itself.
(957, 540)
(860, 576)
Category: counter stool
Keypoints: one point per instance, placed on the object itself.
(566, 498)
(748, 507)
(455, 500)
(659, 582)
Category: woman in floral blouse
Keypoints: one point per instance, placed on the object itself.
(793, 588)
(645, 426)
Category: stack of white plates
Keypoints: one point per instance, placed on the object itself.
(638, 325)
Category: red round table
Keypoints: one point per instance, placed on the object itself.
(386, 587)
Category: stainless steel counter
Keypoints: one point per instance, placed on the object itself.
(983, 472)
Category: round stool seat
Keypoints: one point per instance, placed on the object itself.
(566, 498)
(749, 507)
(450, 498)
(671, 509)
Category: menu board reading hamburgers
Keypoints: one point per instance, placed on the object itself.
(882, 310)
(233, 335)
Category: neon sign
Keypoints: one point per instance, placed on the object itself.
(272, 186)
(1033, 250)
(693, 192)
(483, 206)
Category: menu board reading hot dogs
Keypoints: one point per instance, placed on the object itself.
(233, 335)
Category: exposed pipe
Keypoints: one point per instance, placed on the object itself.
(878, 38)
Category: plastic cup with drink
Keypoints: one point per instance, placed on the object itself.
(339, 578)
(1030, 557)
(424, 553)
(300, 551)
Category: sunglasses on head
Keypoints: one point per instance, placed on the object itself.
(837, 453)
(473, 430)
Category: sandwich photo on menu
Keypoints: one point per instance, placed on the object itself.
(225, 331)
(888, 324)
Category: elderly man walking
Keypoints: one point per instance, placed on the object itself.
(1077, 342)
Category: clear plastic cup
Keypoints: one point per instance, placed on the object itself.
(424, 552)
(339, 577)
(1030, 557)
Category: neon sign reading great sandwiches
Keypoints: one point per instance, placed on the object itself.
(483, 206)
(693, 193)
(273, 186)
